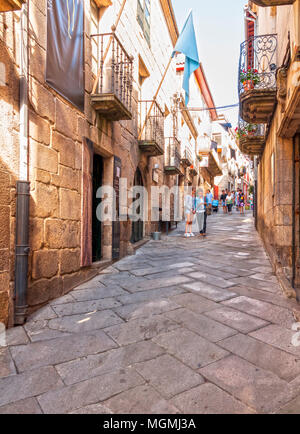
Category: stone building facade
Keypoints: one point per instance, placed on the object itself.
(273, 102)
(68, 245)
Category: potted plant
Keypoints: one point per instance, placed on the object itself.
(249, 78)
(247, 130)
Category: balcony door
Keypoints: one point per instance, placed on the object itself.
(138, 226)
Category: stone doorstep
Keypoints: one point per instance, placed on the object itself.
(101, 265)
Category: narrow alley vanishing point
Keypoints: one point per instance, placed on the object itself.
(185, 326)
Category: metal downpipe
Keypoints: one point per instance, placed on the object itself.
(23, 184)
(22, 251)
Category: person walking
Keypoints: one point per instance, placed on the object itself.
(200, 209)
(203, 232)
(236, 201)
(229, 202)
(189, 215)
(242, 202)
(209, 200)
(223, 201)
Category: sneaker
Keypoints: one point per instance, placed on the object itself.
(186, 235)
(192, 235)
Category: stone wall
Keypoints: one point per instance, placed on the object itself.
(9, 149)
(56, 132)
(275, 180)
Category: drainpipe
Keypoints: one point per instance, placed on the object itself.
(23, 186)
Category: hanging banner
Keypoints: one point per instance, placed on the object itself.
(65, 51)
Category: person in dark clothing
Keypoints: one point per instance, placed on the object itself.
(223, 201)
(203, 232)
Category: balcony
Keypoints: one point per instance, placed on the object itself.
(187, 158)
(172, 156)
(194, 170)
(257, 78)
(251, 138)
(151, 136)
(112, 93)
(11, 5)
(266, 3)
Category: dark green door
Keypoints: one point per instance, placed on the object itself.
(97, 226)
(137, 227)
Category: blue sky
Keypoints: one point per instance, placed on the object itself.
(219, 27)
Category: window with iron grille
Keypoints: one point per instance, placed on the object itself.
(143, 17)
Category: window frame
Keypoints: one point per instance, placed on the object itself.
(144, 19)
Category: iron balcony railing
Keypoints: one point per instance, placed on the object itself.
(257, 66)
(153, 130)
(187, 156)
(115, 68)
(172, 154)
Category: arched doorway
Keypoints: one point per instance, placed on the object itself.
(138, 226)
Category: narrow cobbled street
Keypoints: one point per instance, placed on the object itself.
(184, 326)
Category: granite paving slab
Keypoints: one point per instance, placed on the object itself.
(284, 365)
(267, 311)
(292, 407)
(208, 291)
(25, 406)
(190, 348)
(141, 400)
(259, 389)
(156, 283)
(7, 366)
(195, 302)
(154, 294)
(98, 293)
(200, 324)
(113, 360)
(146, 309)
(141, 329)
(209, 399)
(168, 376)
(60, 350)
(82, 307)
(28, 385)
(278, 337)
(212, 280)
(93, 391)
(16, 336)
(236, 319)
(86, 322)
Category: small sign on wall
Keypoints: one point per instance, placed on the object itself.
(155, 176)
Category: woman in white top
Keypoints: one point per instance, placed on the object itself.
(189, 215)
(200, 209)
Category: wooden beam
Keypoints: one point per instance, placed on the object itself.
(11, 5)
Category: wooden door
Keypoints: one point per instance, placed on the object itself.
(97, 225)
(138, 226)
(116, 229)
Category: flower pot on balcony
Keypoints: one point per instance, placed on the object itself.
(248, 85)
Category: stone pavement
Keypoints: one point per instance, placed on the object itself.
(185, 326)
